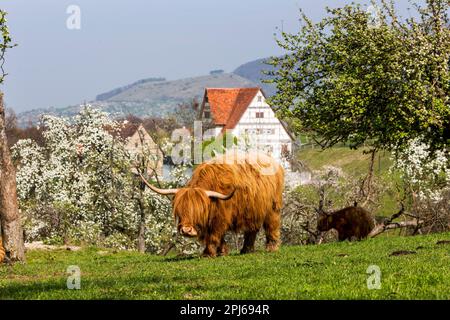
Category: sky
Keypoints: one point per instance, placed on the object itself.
(121, 41)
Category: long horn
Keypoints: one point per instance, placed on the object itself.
(157, 190)
(218, 195)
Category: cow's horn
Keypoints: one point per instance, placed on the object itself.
(218, 195)
(157, 190)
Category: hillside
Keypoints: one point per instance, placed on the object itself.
(411, 268)
(158, 97)
(112, 93)
(148, 97)
(253, 71)
(180, 90)
(352, 162)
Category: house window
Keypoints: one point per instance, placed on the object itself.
(259, 98)
(259, 115)
(207, 114)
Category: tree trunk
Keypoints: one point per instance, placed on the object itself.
(141, 236)
(141, 233)
(9, 211)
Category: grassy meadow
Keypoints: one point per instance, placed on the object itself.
(328, 271)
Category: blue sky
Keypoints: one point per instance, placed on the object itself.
(122, 41)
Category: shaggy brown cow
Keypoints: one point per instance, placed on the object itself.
(236, 192)
(350, 223)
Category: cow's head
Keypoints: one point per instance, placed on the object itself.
(190, 206)
(324, 219)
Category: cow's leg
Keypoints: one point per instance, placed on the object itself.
(212, 243)
(342, 236)
(249, 241)
(272, 229)
(222, 249)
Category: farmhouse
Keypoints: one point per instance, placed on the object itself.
(244, 113)
(141, 144)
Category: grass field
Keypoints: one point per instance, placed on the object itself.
(329, 271)
(352, 162)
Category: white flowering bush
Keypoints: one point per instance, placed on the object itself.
(81, 187)
(428, 173)
(163, 235)
(426, 178)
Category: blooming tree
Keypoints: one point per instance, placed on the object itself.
(426, 179)
(82, 186)
(427, 173)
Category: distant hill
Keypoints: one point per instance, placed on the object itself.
(158, 97)
(179, 90)
(109, 94)
(148, 97)
(253, 71)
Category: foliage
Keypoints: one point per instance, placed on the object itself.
(186, 113)
(80, 167)
(80, 186)
(351, 79)
(426, 179)
(338, 188)
(219, 145)
(5, 42)
(414, 176)
(427, 175)
(328, 271)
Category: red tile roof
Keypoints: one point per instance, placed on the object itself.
(229, 104)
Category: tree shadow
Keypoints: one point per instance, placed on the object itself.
(182, 258)
(93, 288)
(199, 257)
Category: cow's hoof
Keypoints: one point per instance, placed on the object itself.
(247, 250)
(208, 255)
(223, 251)
(272, 247)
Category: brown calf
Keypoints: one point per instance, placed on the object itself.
(350, 223)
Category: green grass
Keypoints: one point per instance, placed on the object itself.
(352, 162)
(329, 271)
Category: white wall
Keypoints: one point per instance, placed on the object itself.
(263, 132)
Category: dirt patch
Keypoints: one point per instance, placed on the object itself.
(443, 242)
(420, 247)
(39, 245)
(402, 253)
